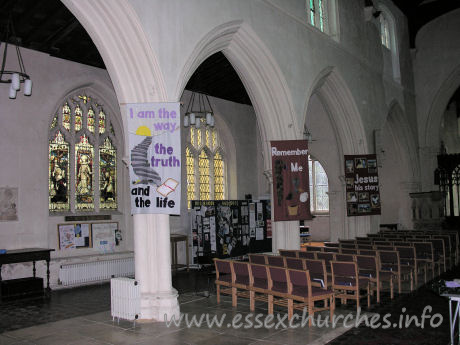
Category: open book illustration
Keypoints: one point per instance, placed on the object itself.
(167, 187)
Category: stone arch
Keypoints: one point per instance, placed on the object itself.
(259, 73)
(438, 106)
(345, 119)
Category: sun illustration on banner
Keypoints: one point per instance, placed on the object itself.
(139, 161)
(144, 131)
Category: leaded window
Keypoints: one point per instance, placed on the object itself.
(82, 157)
(384, 30)
(317, 14)
(205, 164)
(319, 187)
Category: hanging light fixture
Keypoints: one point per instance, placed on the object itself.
(18, 76)
(199, 107)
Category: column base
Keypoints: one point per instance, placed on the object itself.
(156, 307)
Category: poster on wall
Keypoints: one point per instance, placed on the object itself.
(290, 180)
(155, 157)
(8, 204)
(104, 237)
(362, 185)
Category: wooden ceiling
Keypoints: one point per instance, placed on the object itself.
(47, 26)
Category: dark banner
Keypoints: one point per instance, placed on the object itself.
(362, 180)
(291, 196)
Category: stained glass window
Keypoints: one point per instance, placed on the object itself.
(58, 174)
(190, 161)
(92, 171)
(319, 187)
(218, 177)
(205, 164)
(78, 118)
(384, 30)
(90, 120)
(101, 122)
(317, 14)
(54, 122)
(107, 176)
(84, 159)
(66, 116)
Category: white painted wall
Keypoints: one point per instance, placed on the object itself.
(437, 76)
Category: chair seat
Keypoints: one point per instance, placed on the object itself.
(302, 291)
(351, 282)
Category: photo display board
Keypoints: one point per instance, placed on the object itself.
(229, 228)
(362, 185)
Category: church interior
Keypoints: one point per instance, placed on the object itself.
(368, 85)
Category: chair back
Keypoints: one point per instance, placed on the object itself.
(288, 253)
(274, 260)
(371, 252)
(317, 269)
(299, 283)
(277, 279)
(307, 255)
(259, 276)
(295, 263)
(223, 270)
(344, 273)
(348, 251)
(388, 260)
(257, 259)
(344, 257)
(241, 272)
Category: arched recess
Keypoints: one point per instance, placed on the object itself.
(116, 31)
(267, 89)
(399, 168)
(349, 133)
(259, 74)
(430, 140)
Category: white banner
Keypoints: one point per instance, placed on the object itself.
(155, 157)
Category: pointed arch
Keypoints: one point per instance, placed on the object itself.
(259, 73)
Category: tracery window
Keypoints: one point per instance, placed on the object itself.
(82, 172)
(319, 187)
(384, 31)
(205, 164)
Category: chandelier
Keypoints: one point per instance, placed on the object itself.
(18, 76)
(199, 107)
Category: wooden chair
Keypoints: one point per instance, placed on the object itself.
(241, 280)
(352, 251)
(277, 287)
(368, 268)
(389, 262)
(258, 284)
(424, 252)
(224, 277)
(318, 273)
(301, 294)
(331, 250)
(407, 257)
(345, 279)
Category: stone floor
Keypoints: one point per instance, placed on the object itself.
(82, 316)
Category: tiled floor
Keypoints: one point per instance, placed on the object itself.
(82, 316)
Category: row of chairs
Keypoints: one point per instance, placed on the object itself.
(287, 287)
(403, 261)
(432, 251)
(367, 268)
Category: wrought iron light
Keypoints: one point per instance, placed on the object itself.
(199, 107)
(18, 76)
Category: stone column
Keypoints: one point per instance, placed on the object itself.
(152, 252)
(286, 234)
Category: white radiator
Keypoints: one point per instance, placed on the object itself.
(87, 272)
(125, 298)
